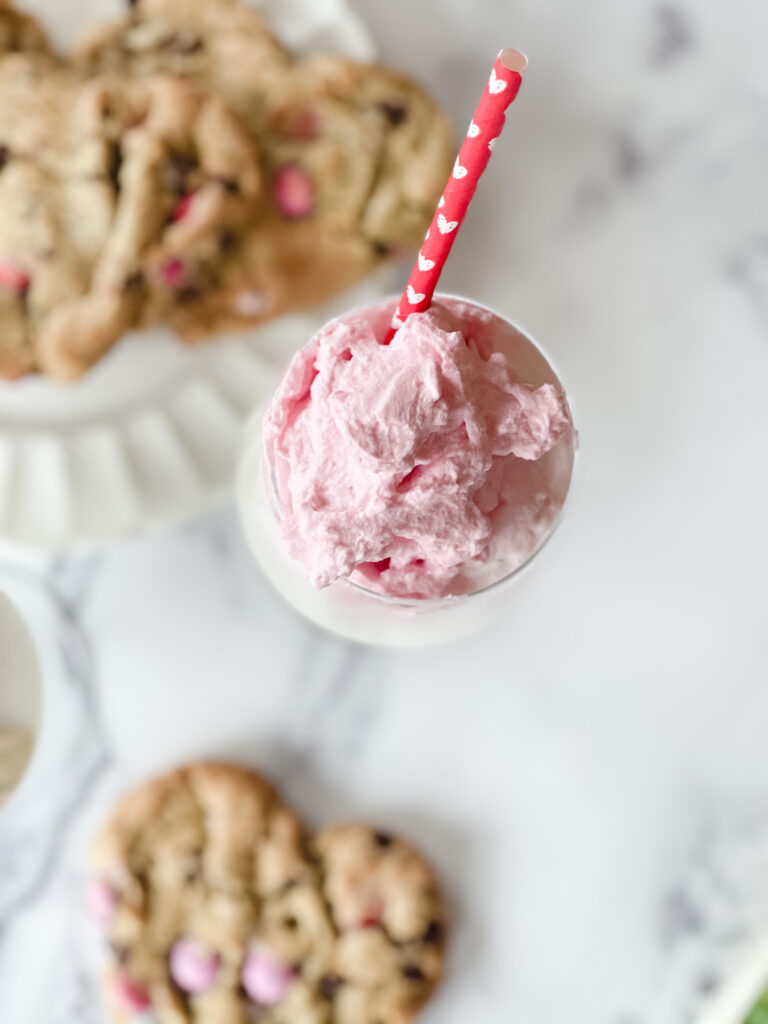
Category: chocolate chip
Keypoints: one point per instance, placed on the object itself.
(133, 281)
(192, 875)
(227, 241)
(395, 112)
(184, 43)
(114, 163)
(230, 185)
(434, 932)
(413, 973)
(5, 155)
(121, 953)
(330, 985)
(184, 998)
(382, 839)
(189, 293)
(174, 174)
(380, 249)
(290, 923)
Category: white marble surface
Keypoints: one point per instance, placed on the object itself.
(568, 770)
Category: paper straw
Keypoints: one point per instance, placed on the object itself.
(484, 129)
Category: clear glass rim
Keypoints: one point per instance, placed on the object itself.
(434, 602)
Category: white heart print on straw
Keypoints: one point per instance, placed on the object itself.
(487, 122)
(496, 85)
(458, 170)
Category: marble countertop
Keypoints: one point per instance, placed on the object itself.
(568, 770)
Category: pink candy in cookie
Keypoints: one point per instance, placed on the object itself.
(100, 903)
(293, 191)
(13, 277)
(174, 274)
(265, 979)
(303, 126)
(373, 914)
(183, 206)
(129, 995)
(193, 967)
(252, 303)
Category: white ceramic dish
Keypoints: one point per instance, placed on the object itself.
(20, 700)
(151, 434)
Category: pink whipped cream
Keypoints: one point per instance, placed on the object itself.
(411, 468)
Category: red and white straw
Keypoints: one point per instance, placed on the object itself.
(484, 129)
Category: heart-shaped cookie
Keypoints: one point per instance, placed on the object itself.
(219, 909)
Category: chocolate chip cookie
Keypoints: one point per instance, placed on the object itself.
(219, 909)
(355, 156)
(113, 194)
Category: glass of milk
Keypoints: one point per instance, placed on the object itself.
(363, 615)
